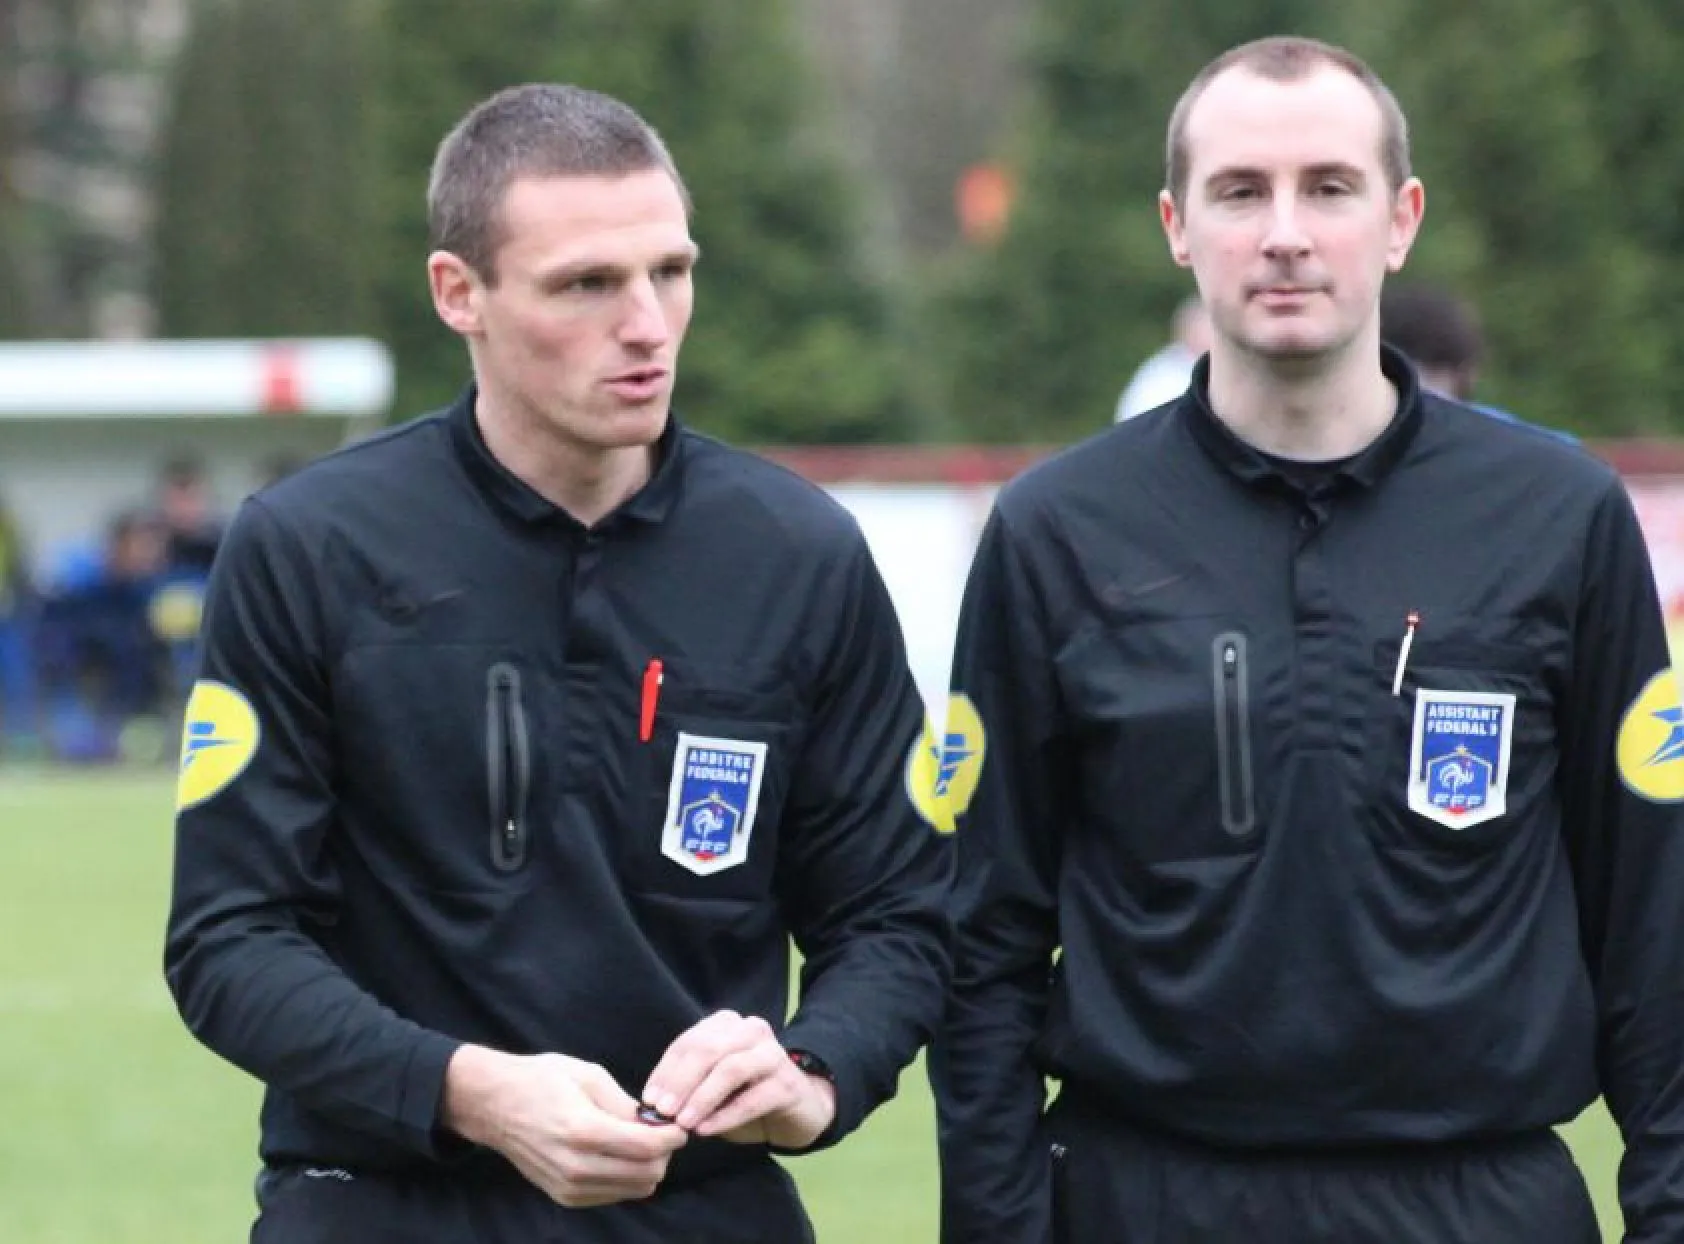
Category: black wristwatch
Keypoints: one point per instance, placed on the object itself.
(812, 1064)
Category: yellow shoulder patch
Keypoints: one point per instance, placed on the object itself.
(941, 777)
(1650, 750)
(218, 740)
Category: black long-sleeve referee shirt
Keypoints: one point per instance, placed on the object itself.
(435, 790)
(1303, 898)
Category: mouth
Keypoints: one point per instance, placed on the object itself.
(639, 384)
(1283, 299)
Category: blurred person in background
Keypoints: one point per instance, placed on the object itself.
(527, 736)
(1441, 334)
(1164, 377)
(193, 526)
(1325, 838)
(187, 509)
(102, 662)
(17, 617)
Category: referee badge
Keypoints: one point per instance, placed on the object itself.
(1650, 748)
(219, 736)
(1459, 756)
(711, 802)
(942, 771)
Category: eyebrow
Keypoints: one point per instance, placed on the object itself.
(1337, 168)
(1327, 168)
(565, 273)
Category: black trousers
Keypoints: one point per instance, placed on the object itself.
(1118, 1184)
(306, 1205)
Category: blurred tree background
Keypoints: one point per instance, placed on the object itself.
(791, 338)
(262, 187)
(1042, 331)
(235, 167)
(81, 85)
(1553, 168)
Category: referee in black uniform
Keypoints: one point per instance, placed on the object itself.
(1319, 826)
(528, 735)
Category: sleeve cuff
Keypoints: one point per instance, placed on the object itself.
(423, 1098)
(853, 1098)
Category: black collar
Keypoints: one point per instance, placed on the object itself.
(1246, 463)
(649, 504)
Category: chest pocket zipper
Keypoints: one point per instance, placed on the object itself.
(508, 766)
(1233, 737)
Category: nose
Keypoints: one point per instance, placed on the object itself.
(1286, 238)
(645, 322)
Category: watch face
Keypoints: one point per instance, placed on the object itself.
(812, 1064)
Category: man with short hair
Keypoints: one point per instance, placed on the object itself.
(188, 513)
(528, 735)
(1440, 333)
(1321, 833)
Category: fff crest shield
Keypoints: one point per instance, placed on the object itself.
(1459, 756)
(711, 802)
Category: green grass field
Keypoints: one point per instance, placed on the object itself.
(120, 1129)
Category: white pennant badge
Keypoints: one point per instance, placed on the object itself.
(1459, 756)
(711, 802)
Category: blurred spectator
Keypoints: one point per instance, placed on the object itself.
(193, 532)
(1441, 334)
(192, 526)
(17, 610)
(1163, 377)
(102, 664)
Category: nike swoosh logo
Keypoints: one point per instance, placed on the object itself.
(1146, 589)
(400, 610)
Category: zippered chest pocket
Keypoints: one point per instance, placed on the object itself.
(508, 760)
(443, 776)
(1231, 676)
(1164, 725)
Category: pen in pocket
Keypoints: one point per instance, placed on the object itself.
(652, 678)
(1411, 621)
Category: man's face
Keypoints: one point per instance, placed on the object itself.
(1288, 223)
(185, 504)
(138, 551)
(581, 330)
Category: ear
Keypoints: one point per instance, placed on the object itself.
(457, 290)
(1407, 210)
(1174, 230)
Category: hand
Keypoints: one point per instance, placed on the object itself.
(564, 1124)
(728, 1076)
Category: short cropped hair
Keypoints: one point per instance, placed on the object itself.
(1286, 58)
(535, 130)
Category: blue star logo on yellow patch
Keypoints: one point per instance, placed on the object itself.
(941, 777)
(218, 740)
(1650, 750)
(1672, 747)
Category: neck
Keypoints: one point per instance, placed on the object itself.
(1311, 411)
(586, 481)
